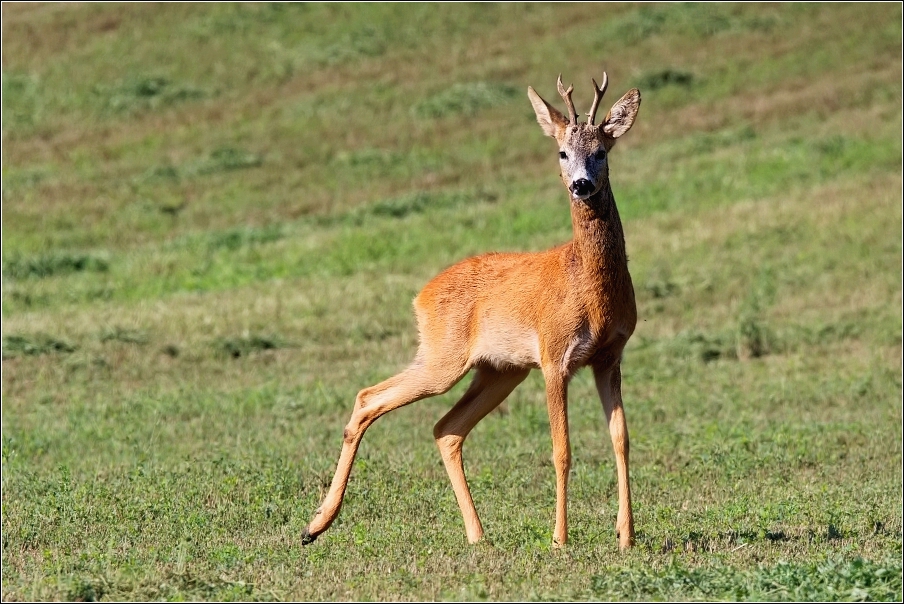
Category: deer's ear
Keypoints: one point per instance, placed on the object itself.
(548, 116)
(621, 117)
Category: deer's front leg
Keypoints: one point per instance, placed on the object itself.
(608, 383)
(557, 405)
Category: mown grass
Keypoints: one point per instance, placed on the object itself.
(215, 218)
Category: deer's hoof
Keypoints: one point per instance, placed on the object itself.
(624, 544)
(306, 537)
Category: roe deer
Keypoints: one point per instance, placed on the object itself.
(503, 314)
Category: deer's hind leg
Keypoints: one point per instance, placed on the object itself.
(488, 389)
(415, 383)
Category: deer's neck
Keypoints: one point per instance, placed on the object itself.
(599, 241)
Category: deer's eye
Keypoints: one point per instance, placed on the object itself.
(601, 153)
(562, 155)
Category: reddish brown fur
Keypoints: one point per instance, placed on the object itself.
(504, 314)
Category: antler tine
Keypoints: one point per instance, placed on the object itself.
(598, 92)
(566, 94)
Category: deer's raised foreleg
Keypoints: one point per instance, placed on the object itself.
(489, 388)
(415, 383)
(608, 383)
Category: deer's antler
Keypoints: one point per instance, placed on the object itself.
(598, 92)
(566, 94)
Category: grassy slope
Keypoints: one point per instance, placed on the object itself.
(215, 217)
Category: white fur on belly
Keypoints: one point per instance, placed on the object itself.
(506, 344)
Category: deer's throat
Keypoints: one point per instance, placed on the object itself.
(599, 240)
(598, 206)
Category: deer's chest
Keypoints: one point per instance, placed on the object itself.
(597, 333)
(580, 347)
(586, 343)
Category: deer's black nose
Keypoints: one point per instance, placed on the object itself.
(582, 187)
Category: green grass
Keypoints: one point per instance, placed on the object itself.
(215, 218)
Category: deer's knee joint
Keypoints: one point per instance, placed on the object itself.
(562, 460)
(620, 440)
(449, 443)
(445, 439)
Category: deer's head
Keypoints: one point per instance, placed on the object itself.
(584, 147)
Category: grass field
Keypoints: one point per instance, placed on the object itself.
(215, 218)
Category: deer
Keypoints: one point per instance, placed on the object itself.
(501, 315)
